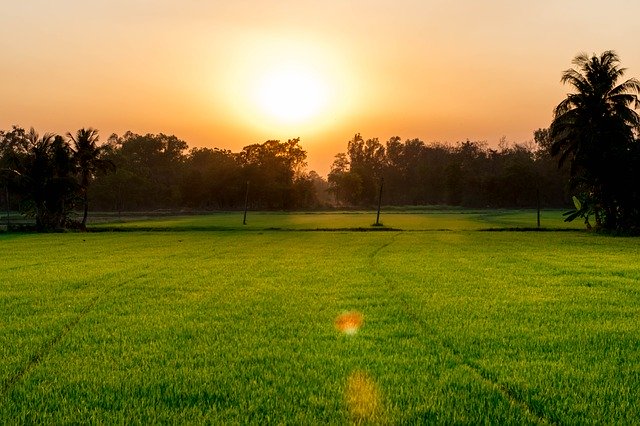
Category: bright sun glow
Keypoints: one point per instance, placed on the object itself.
(277, 87)
(292, 94)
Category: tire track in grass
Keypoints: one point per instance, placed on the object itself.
(382, 247)
(49, 345)
(532, 414)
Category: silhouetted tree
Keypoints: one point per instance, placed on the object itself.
(355, 176)
(553, 181)
(41, 170)
(89, 159)
(152, 166)
(466, 174)
(158, 171)
(345, 186)
(594, 130)
(212, 179)
(273, 167)
(366, 160)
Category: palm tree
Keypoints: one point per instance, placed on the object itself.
(594, 129)
(37, 175)
(40, 168)
(89, 158)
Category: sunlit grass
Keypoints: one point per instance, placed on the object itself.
(240, 327)
(415, 220)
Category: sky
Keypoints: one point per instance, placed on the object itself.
(228, 74)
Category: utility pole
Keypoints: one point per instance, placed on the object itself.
(538, 204)
(6, 188)
(246, 204)
(5, 173)
(379, 202)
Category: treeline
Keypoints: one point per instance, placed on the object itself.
(50, 177)
(466, 174)
(161, 172)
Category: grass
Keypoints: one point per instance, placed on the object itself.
(410, 220)
(234, 326)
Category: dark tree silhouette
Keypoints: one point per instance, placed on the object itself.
(465, 174)
(594, 129)
(89, 159)
(159, 172)
(275, 169)
(355, 176)
(41, 170)
(155, 172)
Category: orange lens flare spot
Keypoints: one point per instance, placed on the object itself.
(350, 322)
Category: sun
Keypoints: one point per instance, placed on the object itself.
(276, 86)
(292, 94)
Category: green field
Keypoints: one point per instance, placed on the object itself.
(198, 319)
(419, 219)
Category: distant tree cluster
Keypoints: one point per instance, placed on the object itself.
(48, 178)
(466, 174)
(49, 175)
(161, 172)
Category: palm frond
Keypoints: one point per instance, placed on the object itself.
(580, 59)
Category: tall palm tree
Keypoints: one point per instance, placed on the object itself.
(89, 158)
(594, 129)
(41, 169)
(37, 173)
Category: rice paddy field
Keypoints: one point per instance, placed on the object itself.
(435, 318)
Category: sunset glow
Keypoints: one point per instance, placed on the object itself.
(231, 74)
(281, 87)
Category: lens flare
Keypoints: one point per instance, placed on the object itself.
(362, 398)
(349, 322)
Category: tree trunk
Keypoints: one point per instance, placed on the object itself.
(85, 203)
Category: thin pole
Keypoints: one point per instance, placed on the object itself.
(379, 202)
(6, 188)
(246, 204)
(538, 204)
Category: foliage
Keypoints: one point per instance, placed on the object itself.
(41, 170)
(467, 174)
(584, 209)
(594, 130)
(49, 176)
(160, 172)
(89, 160)
(276, 172)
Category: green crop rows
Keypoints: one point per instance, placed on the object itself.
(223, 324)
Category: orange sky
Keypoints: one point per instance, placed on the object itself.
(432, 69)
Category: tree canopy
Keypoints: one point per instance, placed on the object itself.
(41, 170)
(136, 172)
(595, 130)
(465, 174)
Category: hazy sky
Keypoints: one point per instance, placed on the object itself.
(226, 73)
